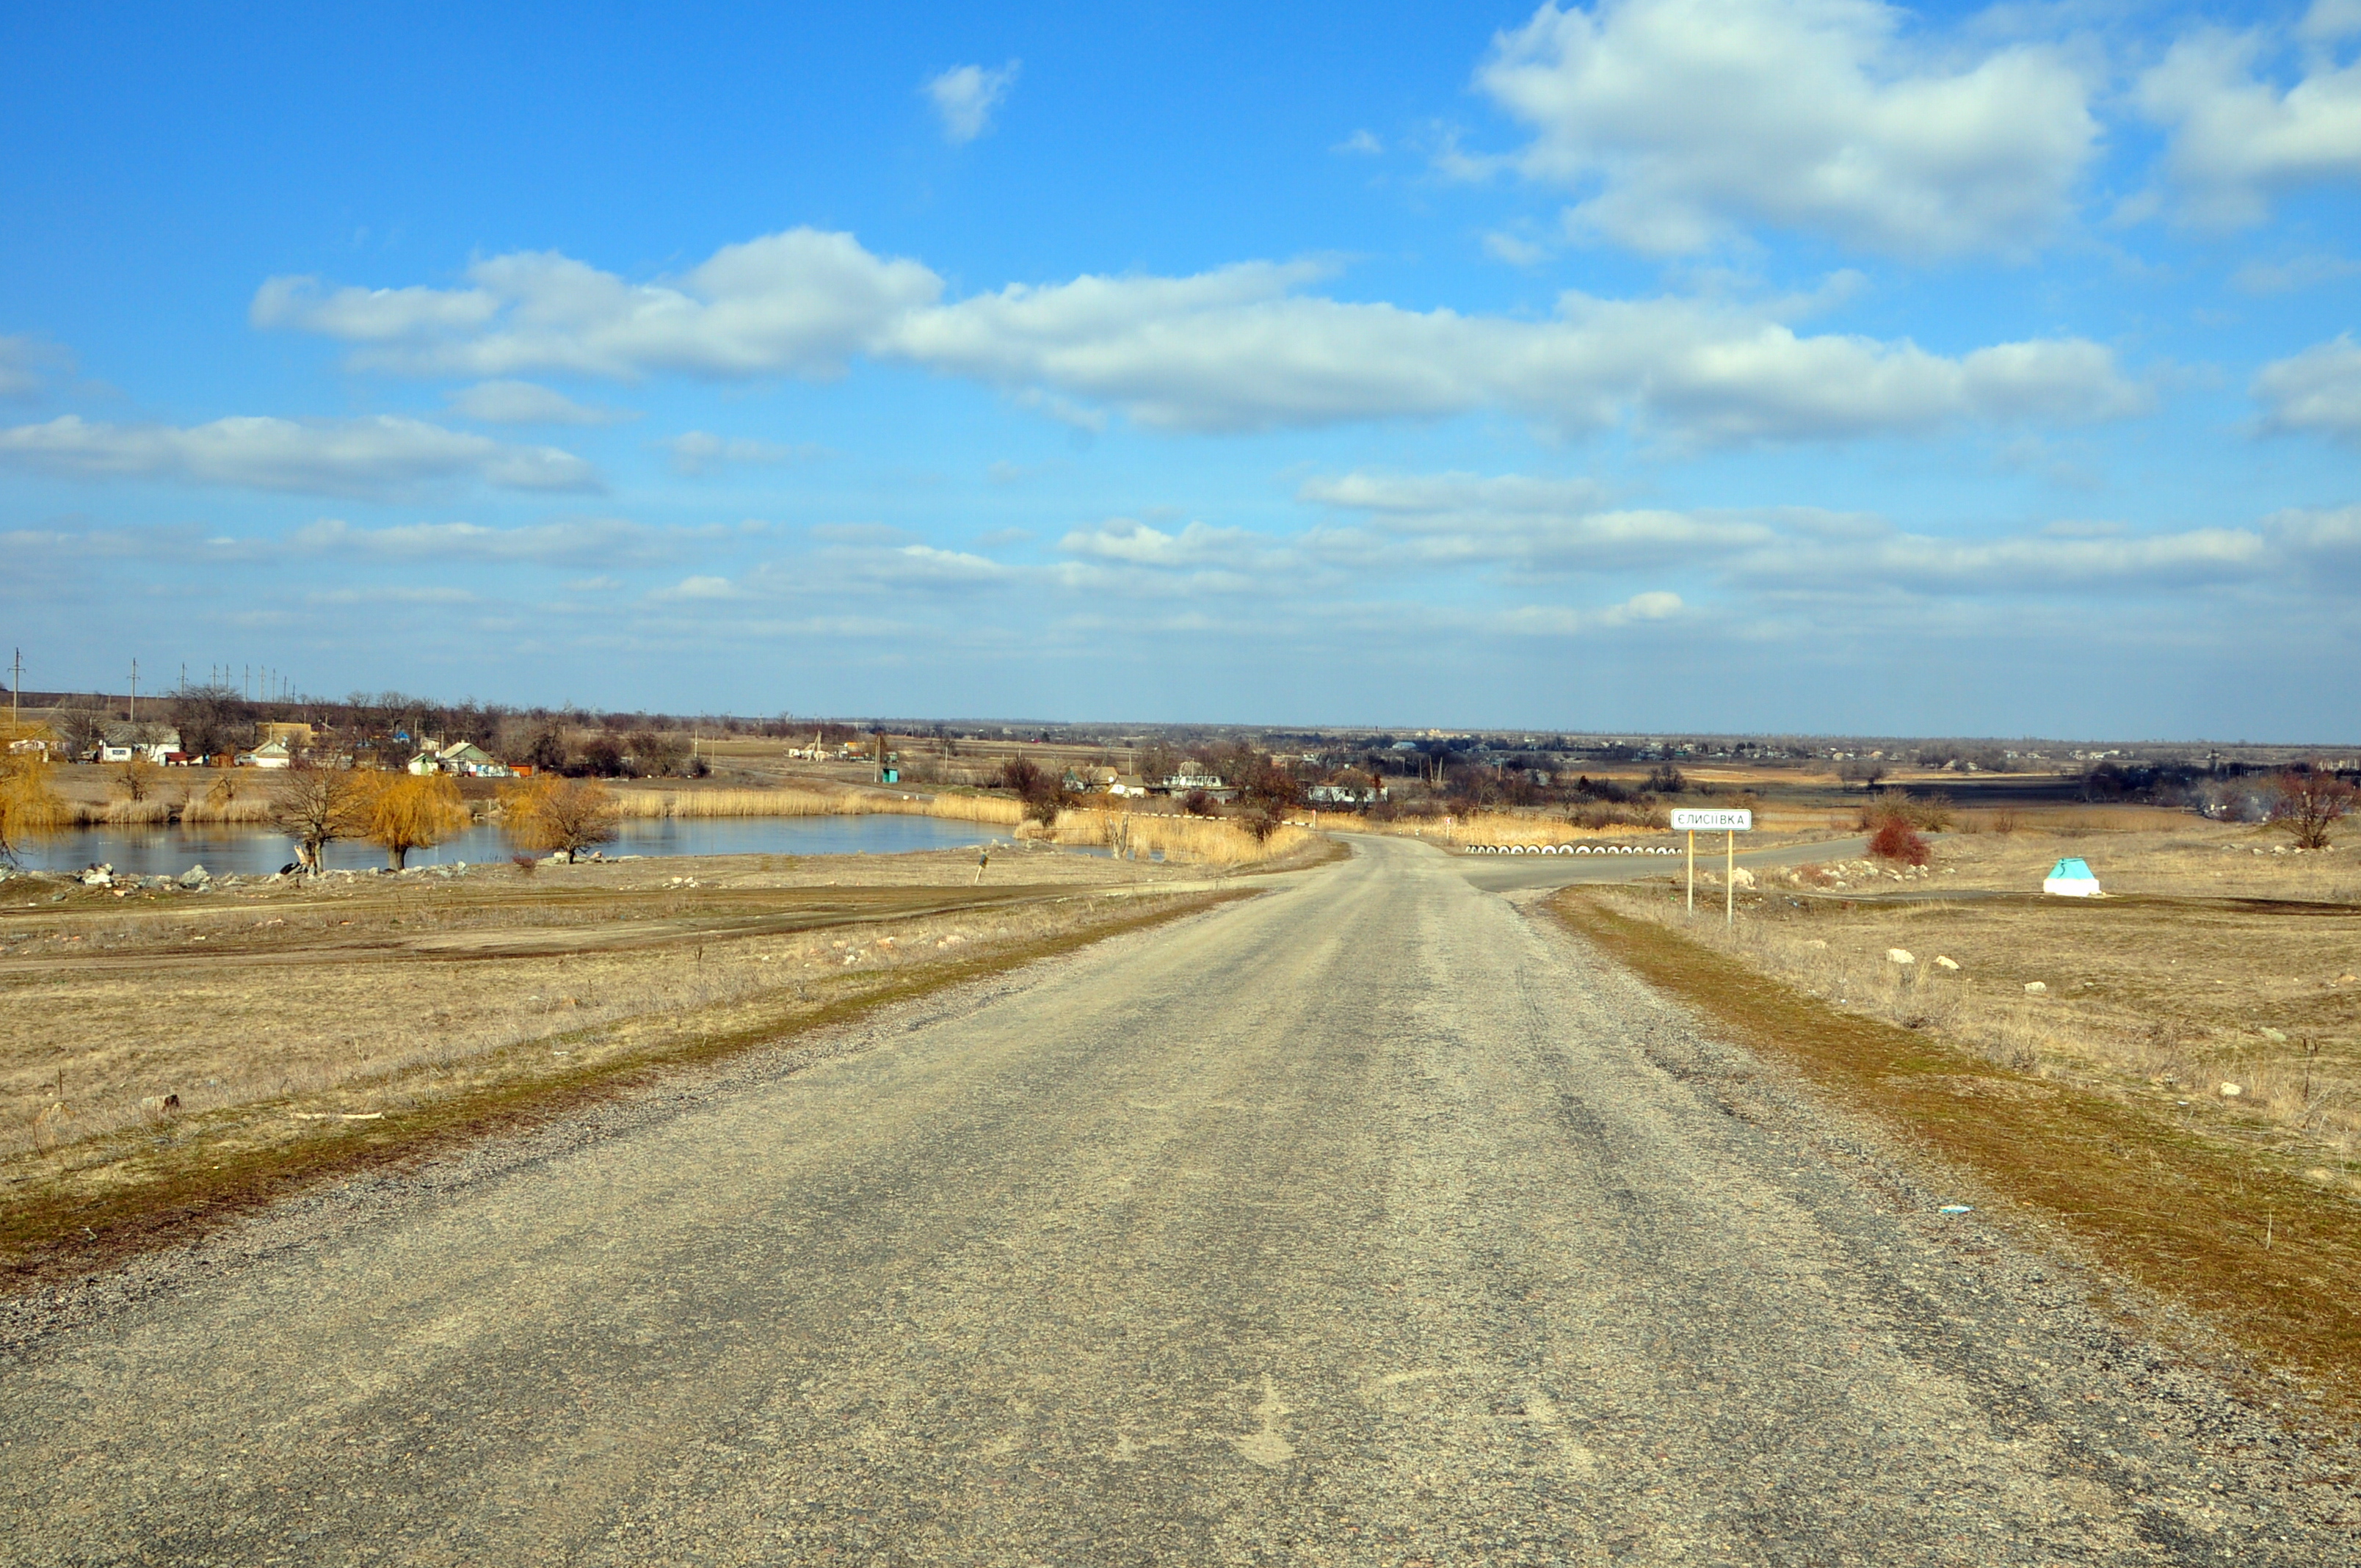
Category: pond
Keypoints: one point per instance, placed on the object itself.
(169, 851)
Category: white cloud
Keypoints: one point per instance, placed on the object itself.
(1364, 143)
(1690, 119)
(2297, 272)
(1245, 347)
(965, 96)
(376, 456)
(2020, 565)
(1561, 620)
(1135, 544)
(699, 588)
(1240, 349)
(798, 302)
(701, 451)
(2317, 392)
(572, 539)
(2239, 138)
(23, 364)
(522, 402)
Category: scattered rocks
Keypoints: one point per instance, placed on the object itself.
(1942, 962)
(1900, 956)
(98, 876)
(195, 877)
(2035, 988)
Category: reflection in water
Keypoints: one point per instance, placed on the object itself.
(169, 851)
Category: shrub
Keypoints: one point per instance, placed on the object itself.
(2309, 801)
(562, 816)
(1895, 840)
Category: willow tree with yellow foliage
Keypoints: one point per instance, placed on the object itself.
(560, 816)
(401, 811)
(28, 807)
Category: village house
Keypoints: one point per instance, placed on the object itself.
(121, 743)
(463, 757)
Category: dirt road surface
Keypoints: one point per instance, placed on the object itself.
(1371, 1222)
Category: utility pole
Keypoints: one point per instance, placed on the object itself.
(15, 690)
(135, 691)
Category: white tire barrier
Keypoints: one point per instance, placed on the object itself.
(1569, 849)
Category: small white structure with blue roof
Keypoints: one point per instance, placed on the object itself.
(2072, 878)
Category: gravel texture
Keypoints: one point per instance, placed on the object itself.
(1371, 1222)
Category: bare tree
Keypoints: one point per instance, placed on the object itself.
(211, 719)
(1863, 771)
(563, 815)
(135, 777)
(2308, 802)
(315, 807)
(1268, 792)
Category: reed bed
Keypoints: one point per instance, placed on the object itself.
(645, 803)
(1202, 841)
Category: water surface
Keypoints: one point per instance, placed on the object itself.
(169, 851)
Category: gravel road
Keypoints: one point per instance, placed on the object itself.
(1371, 1222)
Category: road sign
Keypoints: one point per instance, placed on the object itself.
(1730, 824)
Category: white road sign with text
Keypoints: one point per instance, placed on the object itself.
(1714, 821)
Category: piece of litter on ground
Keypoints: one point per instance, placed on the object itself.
(364, 1115)
(1957, 1209)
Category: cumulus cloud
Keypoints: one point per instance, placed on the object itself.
(380, 455)
(1242, 348)
(965, 96)
(1247, 348)
(701, 451)
(1688, 120)
(795, 304)
(522, 402)
(2239, 138)
(2317, 392)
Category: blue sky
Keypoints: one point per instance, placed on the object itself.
(1664, 365)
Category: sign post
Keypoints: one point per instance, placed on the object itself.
(1730, 824)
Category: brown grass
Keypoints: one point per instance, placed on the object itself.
(438, 1004)
(2179, 1203)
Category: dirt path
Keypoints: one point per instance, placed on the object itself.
(1370, 1222)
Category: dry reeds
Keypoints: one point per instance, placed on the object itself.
(1203, 841)
(648, 804)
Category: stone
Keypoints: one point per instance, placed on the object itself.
(2035, 988)
(1900, 956)
(195, 876)
(2232, 1090)
(2277, 1037)
(1741, 877)
(1942, 962)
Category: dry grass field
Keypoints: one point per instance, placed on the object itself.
(2235, 1244)
(2216, 957)
(280, 1015)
